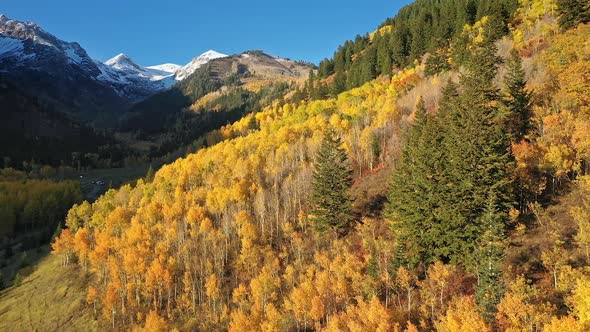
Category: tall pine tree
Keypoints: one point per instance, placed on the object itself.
(478, 158)
(490, 255)
(332, 179)
(517, 102)
(450, 167)
(414, 189)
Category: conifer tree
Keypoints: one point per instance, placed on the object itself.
(414, 189)
(478, 160)
(490, 254)
(573, 12)
(332, 179)
(450, 167)
(517, 102)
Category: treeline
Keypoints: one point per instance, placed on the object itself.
(35, 205)
(421, 27)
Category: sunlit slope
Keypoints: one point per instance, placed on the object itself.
(52, 298)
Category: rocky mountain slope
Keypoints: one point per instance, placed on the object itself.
(249, 73)
(65, 76)
(60, 73)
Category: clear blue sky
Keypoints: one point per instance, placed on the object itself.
(153, 32)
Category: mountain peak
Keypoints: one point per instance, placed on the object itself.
(211, 54)
(119, 57)
(197, 63)
(122, 61)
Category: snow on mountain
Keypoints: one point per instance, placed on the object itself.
(124, 63)
(121, 69)
(10, 47)
(25, 45)
(166, 67)
(42, 45)
(165, 74)
(196, 63)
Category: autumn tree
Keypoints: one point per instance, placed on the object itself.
(332, 178)
(462, 316)
(580, 301)
(436, 289)
(520, 308)
(154, 323)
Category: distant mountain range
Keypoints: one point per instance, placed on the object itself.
(72, 89)
(66, 75)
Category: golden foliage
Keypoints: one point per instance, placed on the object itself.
(462, 316)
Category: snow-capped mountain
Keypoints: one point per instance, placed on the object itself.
(58, 73)
(63, 72)
(25, 43)
(124, 65)
(121, 69)
(24, 46)
(196, 63)
(26, 50)
(166, 67)
(125, 75)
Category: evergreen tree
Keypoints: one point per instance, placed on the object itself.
(414, 190)
(326, 68)
(418, 28)
(383, 56)
(498, 23)
(436, 63)
(573, 12)
(490, 254)
(478, 160)
(339, 83)
(517, 103)
(449, 168)
(310, 86)
(332, 179)
(471, 12)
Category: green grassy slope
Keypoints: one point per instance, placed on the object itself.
(51, 298)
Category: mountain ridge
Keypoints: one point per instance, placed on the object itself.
(25, 46)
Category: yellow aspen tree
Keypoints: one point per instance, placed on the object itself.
(580, 301)
(567, 323)
(154, 323)
(406, 280)
(462, 316)
(64, 245)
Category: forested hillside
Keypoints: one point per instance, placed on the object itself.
(34, 132)
(218, 93)
(424, 26)
(453, 199)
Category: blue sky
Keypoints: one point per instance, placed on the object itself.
(153, 32)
